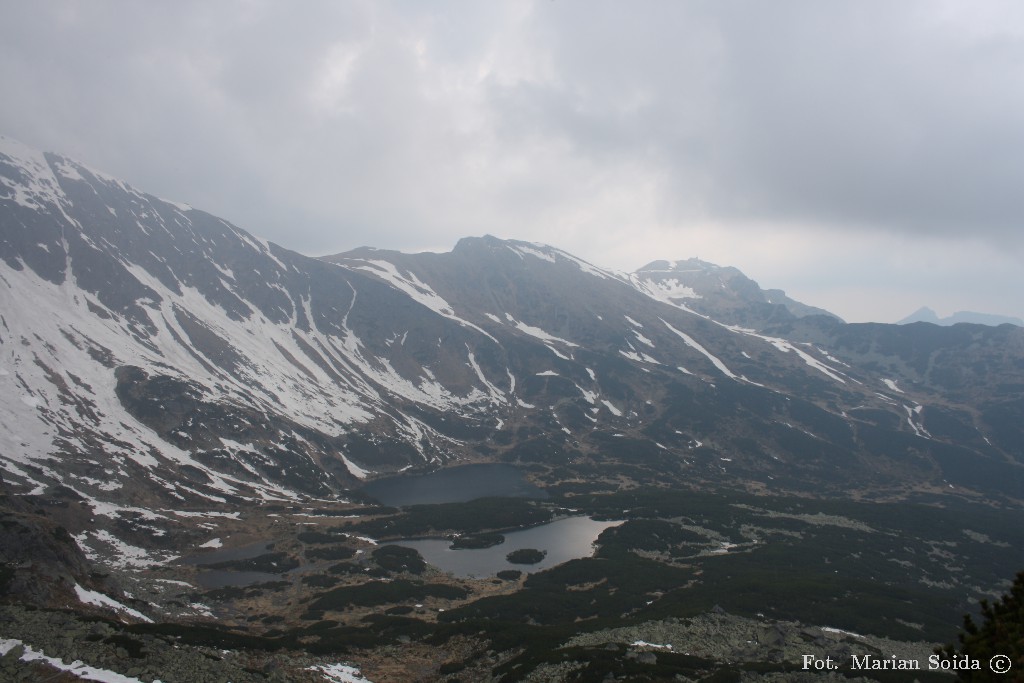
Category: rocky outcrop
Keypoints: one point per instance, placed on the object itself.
(40, 562)
(107, 646)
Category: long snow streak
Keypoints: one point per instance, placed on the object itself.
(495, 392)
(787, 346)
(536, 332)
(693, 344)
(552, 255)
(416, 289)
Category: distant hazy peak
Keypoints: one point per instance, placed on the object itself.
(927, 315)
(672, 266)
(921, 315)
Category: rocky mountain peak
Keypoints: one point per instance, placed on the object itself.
(721, 292)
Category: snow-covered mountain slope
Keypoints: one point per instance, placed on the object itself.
(690, 392)
(171, 341)
(155, 355)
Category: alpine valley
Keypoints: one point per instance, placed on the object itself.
(189, 416)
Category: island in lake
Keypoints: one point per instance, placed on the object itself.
(526, 556)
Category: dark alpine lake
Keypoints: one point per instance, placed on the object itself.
(454, 485)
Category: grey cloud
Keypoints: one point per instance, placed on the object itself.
(848, 114)
(878, 118)
(327, 125)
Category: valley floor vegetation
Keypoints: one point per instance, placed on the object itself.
(692, 585)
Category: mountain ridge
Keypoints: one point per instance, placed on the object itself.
(171, 341)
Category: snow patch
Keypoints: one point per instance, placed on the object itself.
(632, 354)
(644, 643)
(558, 353)
(643, 340)
(100, 600)
(611, 408)
(340, 673)
(839, 631)
(667, 290)
(118, 553)
(891, 383)
(589, 396)
(75, 668)
(354, 469)
(537, 332)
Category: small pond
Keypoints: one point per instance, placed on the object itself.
(219, 578)
(563, 540)
(242, 552)
(454, 485)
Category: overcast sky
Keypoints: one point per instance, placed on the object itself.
(867, 157)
